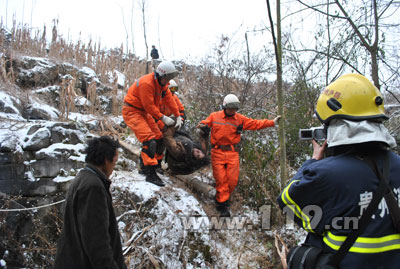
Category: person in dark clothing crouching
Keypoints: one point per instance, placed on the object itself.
(183, 155)
(90, 236)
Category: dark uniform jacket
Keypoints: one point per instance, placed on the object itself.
(179, 155)
(336, 191)
(154, 53)
(90, 236)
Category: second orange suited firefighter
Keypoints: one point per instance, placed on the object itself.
(226, 126)
(173, 87)
(141, 112)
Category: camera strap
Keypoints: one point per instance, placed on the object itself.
(372, 207)
(390, 199)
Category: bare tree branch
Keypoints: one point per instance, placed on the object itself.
(320, 11)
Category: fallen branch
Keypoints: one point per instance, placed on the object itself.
(198, 185)
(131, 243)
(153, 259)
(132, 149)
(282, 251)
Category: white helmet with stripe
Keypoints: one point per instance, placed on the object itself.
(231, 101)
(166, 69)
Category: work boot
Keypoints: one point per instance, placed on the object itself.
(159, 168)
(223, 209)
(152, 176)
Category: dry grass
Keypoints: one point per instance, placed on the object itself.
(23, 40)
(67, 96)
(29, 236)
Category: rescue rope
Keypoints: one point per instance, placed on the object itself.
(31, 208)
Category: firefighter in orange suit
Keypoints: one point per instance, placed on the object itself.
(141, 112)
(226, 126)
(173, 87)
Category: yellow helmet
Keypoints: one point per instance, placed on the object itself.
(352, 97)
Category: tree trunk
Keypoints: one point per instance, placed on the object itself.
(278, 57)
(282, 141)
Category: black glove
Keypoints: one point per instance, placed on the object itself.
(204, 130)
(239, 129)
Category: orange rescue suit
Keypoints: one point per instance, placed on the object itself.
(164, 109)
(141, 111)
(167, 111)
(224, 157)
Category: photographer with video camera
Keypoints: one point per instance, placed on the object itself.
(352, 178)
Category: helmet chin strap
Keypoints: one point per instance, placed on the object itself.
(159, 80)
(227, 115)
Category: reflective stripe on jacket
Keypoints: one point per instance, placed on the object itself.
(365, 244)
(224, 128)
(328, 196)
(146, 94)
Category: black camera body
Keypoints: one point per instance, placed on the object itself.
(316, 133)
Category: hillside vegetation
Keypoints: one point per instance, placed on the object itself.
(202, 89)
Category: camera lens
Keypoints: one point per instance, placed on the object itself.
(319, 134)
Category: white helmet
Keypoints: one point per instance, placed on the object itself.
(172, 84)
(166, 69)
(231, 101)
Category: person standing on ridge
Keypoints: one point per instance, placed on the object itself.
(154, 53)
(141, 112)
(226, 127)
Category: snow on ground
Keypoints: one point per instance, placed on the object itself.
(169, 205)
(117, 75)
(60, 179)
(54, 113)
(135, 183)
(12, 112)
(181, 225)
(88, 119)
(233, 243)
(90, 73)
(81, 101)
(11, 133)
(57, 148)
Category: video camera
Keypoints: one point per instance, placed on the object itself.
(316, 133)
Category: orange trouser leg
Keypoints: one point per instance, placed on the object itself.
(233, 170)
(225, 165)
(159, 157)
(145, 129)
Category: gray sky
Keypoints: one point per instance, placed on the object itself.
(184, 28)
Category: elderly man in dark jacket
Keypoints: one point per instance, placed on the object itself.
(90, 236)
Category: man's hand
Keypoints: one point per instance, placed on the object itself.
(167, 120)
(169, 132)
(319, 150)
(276, 120)
(204, 129)
(179, 122)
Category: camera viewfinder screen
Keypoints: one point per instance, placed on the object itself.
(306, 134)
